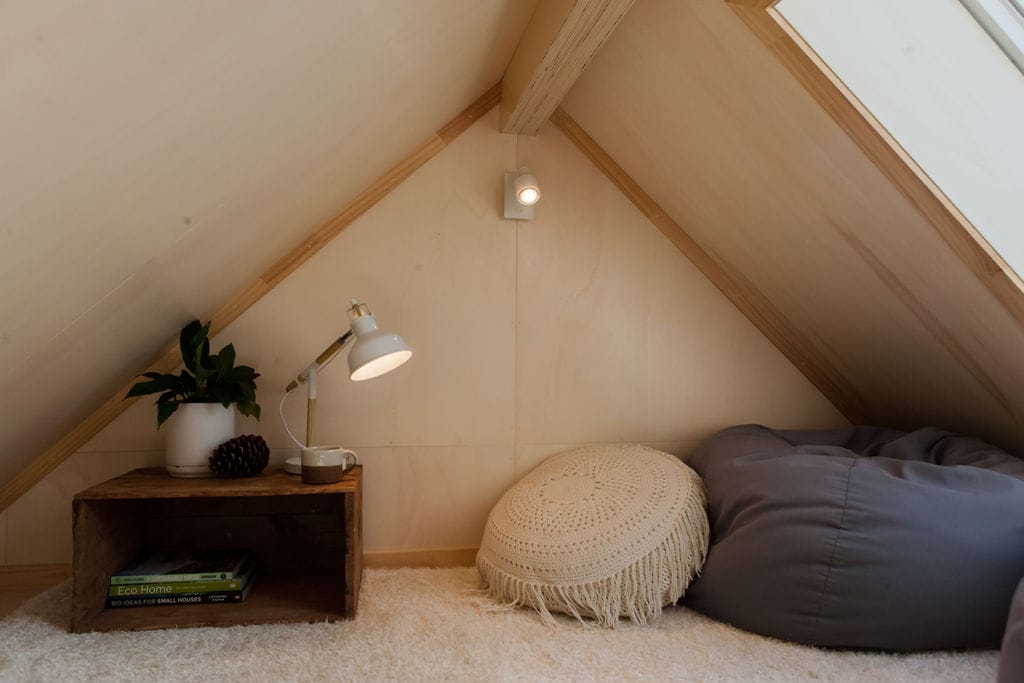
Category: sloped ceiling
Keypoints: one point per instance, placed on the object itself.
(155, 157)
(696, 109)
(158, 156)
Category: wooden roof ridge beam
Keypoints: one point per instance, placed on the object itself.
(170, 358)
(780, 331)
(556, 47)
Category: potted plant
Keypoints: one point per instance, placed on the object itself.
(200, 399)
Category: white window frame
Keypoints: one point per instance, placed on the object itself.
(1003, 21)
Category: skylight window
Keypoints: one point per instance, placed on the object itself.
(951, 96)
(1003, 20)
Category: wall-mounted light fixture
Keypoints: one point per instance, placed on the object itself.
(521, 192)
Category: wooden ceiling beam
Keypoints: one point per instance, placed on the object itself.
(795, 345)
(557, 46)
(170, 357)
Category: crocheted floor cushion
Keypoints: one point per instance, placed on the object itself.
(861, 537)
(601, 532)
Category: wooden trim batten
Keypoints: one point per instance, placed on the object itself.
(768, 24)
(741, 292)
(169, 358)
(442, 557)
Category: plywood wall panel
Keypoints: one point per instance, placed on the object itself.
(664, 337)
(444, 435)
(156, 158)
(435, 263)
(39, 528)
(734, 149)
(448, 512)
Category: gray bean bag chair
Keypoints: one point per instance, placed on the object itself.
(1011, 660)
(861, 537)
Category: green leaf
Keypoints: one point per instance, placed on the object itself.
(243, 373)
(225, 361)
(204, 378)
(204, 346)
(249, 408)
(224, 394)
(164, 411)
(204, 373)
(157, 384)
(189, 341)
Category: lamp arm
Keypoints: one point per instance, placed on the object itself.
(321, 361)
(328, 354)
(307, 375)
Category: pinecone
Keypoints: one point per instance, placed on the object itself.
(243, 456)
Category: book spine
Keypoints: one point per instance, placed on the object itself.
(181, 599)
(136, 590)
(170, 578)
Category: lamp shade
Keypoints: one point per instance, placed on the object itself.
(374, 351)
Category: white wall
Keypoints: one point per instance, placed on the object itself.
(936, 81)
(584, 325)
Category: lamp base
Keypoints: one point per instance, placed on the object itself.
(322, 474)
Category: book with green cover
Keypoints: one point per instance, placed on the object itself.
(218, 597)
(177, 567)
(137, 590)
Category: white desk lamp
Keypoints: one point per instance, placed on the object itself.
(374, 353)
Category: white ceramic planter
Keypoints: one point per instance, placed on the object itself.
(193, 431)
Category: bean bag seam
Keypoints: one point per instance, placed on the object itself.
(835, 546)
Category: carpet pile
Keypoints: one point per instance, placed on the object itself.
(425, 624)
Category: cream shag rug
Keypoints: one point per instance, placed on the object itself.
(423, 624)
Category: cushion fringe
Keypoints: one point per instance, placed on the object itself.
(637, 592)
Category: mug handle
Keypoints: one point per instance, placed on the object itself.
(345, 453)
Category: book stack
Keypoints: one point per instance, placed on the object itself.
(183, 579)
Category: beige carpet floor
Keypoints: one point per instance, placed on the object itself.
(423, 624)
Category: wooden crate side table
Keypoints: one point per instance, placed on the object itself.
(306, 538)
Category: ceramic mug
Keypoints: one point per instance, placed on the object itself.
(326, 464)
